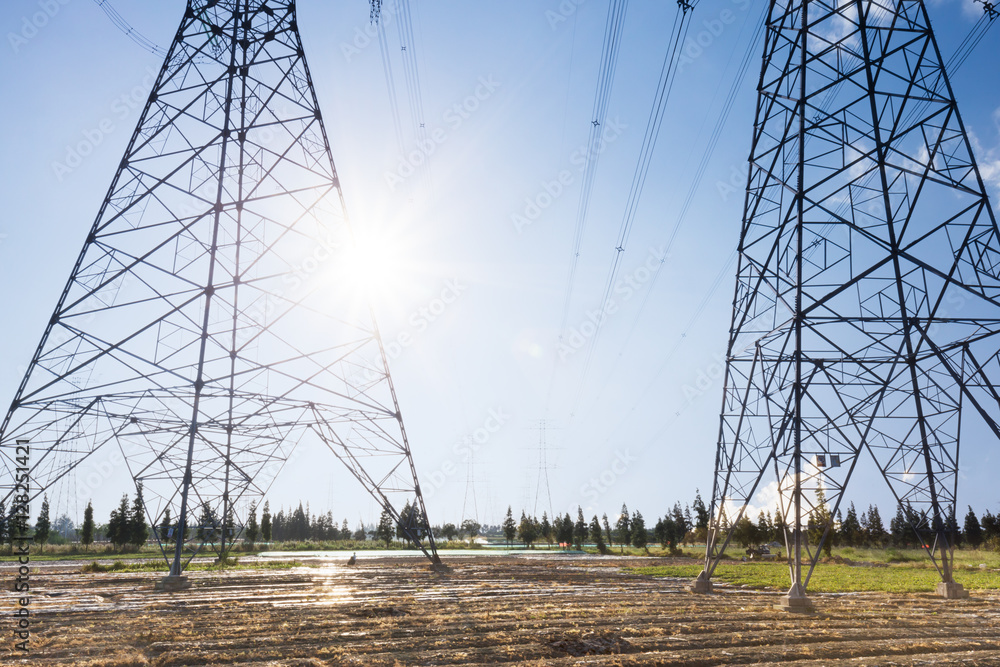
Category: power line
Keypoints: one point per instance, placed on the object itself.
(668, 75)
(390, 84)
(411, 73)
(953, 65)
(130, 32)
(738, 81)
(414, 90)
(613, 29)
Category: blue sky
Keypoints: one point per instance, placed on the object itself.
(479, 241)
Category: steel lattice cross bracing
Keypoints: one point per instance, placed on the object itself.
(193, 333)
(866, 220)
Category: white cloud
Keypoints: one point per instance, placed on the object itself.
(988, 159)
(969, 7)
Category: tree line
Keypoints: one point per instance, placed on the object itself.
(126, 527)
(629, 529)
(866, 528)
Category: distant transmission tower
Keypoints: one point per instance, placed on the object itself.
(470, 488)
(215, 319)
(867, 307)
(543, 491)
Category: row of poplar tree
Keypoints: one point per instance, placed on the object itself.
(628, 529)
(126, 527)
(866, 528)
(690, 525)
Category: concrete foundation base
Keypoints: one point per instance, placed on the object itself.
(172, 583)
(701, 585)
(795, 601)
(952, 591)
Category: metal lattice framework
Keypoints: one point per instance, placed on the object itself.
(867, 307)
(214, 321)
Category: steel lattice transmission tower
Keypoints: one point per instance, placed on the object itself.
(214, 321)
(867, 309)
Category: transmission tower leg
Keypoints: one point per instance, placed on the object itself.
(702, 584)
(795, 599)
(948, 588)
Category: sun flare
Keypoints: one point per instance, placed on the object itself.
(374, 267)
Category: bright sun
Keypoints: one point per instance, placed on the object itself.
(375, 268)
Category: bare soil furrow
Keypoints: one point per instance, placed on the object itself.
(487, 611)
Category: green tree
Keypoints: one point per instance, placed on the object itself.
(991, 528)
(951, 528)
(780, 527)
(819, 520)
(165, 522)
(253, 530)
(118, 533)
(917, 523)
(14, 524)
(764, 527)
(471, 528)
(229, 527)
(418, 523)
(973, 531)
(509, 527)
(701, 516)
(207, 524)
(43, 525)
(527, 530)
(334, 528)
(300, 523)
(745, 533)
(138, 532)
(265, 523)
(449, 531)
(545, 529)
(850, 529)
(564, 532)
(607, 528)
(384, 530)
(669, 533)
(87, 531)
(597, 535)
(579, 529)
(405, 521)
(875, 529)
(4, 523)
(660, 531)
(681, 524)
(898, 530)
(638, 530)
(623, 528)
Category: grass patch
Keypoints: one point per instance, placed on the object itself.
(161, 566)
(832, 577)
(656, 551)
(122, 566)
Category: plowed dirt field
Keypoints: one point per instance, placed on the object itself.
(482, 611)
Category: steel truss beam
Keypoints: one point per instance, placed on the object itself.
(867, 304)
(211, 326)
